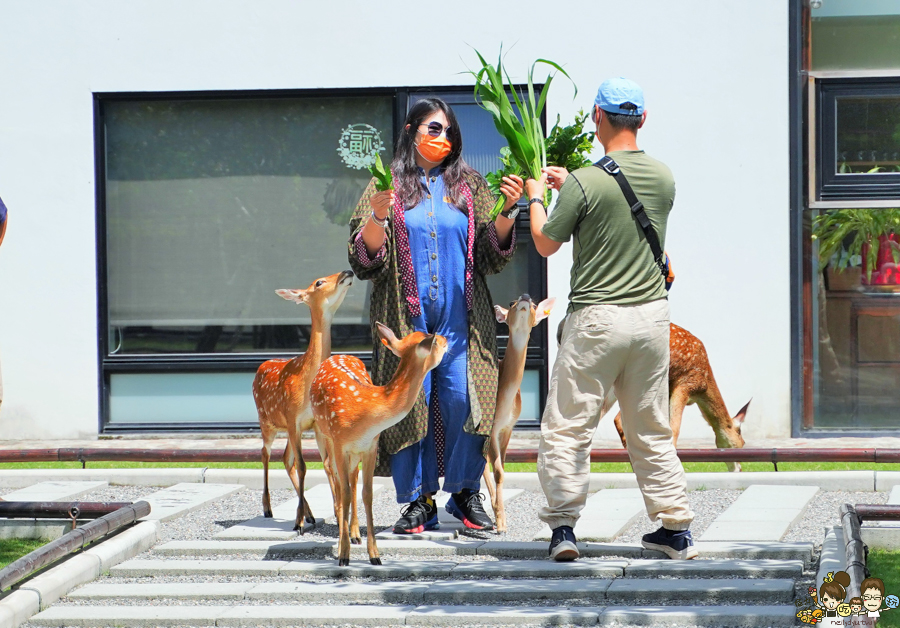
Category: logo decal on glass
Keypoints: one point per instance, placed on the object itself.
(359, 144)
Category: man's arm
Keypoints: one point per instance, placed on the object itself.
(544, 244)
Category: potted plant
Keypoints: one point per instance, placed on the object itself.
(867, 238)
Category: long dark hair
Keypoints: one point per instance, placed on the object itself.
(407, 185)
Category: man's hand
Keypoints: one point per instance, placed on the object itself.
(536, 188)
(556, 176)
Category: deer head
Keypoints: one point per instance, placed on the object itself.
(522, 316)
(417, 348)
(324, 295)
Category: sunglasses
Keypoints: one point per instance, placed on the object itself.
(436, 128)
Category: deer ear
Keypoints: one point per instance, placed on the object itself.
(388, 339)
(543, 309)
(425, 346)
(500, 313)
(297, 296)
(738, 419)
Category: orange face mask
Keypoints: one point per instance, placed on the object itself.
(434, 149)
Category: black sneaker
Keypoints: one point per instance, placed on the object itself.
(675, 544)
(466, 506)
(563, 546)
(419, 516)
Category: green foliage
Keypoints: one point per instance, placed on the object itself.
(886, 565)
(569, 146)
(525, 137)
(383, 179)
(843, 233)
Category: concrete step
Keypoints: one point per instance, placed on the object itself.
(464, 592)
(761, 513)
(444, 615)
(186, 497)
(498, 549)
(606, 515)
(633, 568)
(54, 491)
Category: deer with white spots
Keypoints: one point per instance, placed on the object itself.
(281, 387)
(691, 381)
(351, 413)
(521, 317)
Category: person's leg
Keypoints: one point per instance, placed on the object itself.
(413, 467)
(463, 452)
(591, 354)
(643, 393)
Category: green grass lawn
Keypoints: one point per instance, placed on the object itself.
(596, 467)
(886, 565)
(13, 549)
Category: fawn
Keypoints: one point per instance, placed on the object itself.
(691, 381)
(521, 317)
(281, 387)
(351, 412)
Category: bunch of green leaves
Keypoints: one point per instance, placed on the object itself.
(495, 179)
(525, 137)
(843, 234)
(383, 179)
(569, 146)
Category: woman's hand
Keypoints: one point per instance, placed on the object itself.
(556, 176)
(512, 190)
(381, 203)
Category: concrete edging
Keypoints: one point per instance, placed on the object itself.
(41, 591)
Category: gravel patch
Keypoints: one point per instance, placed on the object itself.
(707, 505)
(824, 512)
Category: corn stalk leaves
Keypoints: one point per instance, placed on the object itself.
(383, 178)
(525, 136)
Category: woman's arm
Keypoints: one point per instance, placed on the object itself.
(370, 243)
(512, 190)
(491, 253)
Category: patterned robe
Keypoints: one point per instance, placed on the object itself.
(394, 295)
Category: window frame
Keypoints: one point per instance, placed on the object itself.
(833, 186)
(537, 356)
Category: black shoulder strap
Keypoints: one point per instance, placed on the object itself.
(608, 165)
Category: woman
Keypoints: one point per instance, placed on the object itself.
(427, 246)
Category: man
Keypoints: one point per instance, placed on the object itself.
(616, 333)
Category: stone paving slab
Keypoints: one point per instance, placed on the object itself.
(149, 567)
(132, 616)
(755, 568)
(54, 491)
(700, 591)
(606, 514)
(363, 568)
(184, 498)
(886, 480)
(540, 569)
(290, 615)
(316, 548)
(342, 592)
(761, 513)
(50, 529)
(834, 554)
(148, 591)
(711, 616)
(514, 590)
(894, 497)
(516, 615)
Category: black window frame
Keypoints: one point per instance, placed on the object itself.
(833, 186)
(537, 356)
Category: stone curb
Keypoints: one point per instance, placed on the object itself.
(252, 478)
(41, 591)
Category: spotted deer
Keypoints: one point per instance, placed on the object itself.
(521, 317)
(691, 381)
(351, 413)
(281, 387)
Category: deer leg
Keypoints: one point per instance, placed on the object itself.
(268, 437)
(618, 422)
(343, 484)
(678, 399)
(491, 466)
(325, 451)
(355, 536)
(499, 475)
(368, 470)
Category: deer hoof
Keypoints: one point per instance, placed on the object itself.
(267, 514)
(356, 540)
(298, 527)
(343, 562)
(311, 520)
(375, 561)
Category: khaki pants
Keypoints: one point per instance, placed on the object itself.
(605, 346)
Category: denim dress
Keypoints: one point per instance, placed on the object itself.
(438, 232)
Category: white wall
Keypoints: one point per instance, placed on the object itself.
(715, 76)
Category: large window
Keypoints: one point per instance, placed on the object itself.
(208, 203)
(846, 221)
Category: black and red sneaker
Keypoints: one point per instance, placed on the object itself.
(418, 516)
(466, 506)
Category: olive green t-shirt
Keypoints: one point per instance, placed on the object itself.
(612, 262)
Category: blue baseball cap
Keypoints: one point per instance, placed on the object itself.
(619, 95)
